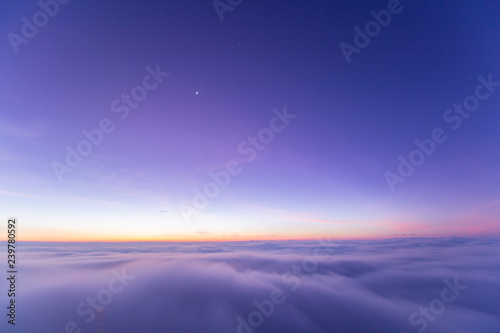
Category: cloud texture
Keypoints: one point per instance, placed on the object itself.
(295, 286)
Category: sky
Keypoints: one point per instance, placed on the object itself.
(399, 285)
(253, 121)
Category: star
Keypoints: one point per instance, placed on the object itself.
(196, 93)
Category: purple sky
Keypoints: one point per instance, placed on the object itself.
(324, 171)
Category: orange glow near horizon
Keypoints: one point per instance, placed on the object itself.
(381, 231)
(201, 238)
(50, 237)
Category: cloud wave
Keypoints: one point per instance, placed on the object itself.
(287, 286)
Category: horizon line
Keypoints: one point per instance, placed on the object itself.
(255, 240)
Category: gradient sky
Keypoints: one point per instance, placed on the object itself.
(323, 174)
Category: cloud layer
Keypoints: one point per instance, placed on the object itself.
(326, 286)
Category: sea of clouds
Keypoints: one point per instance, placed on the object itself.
(395, 285)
